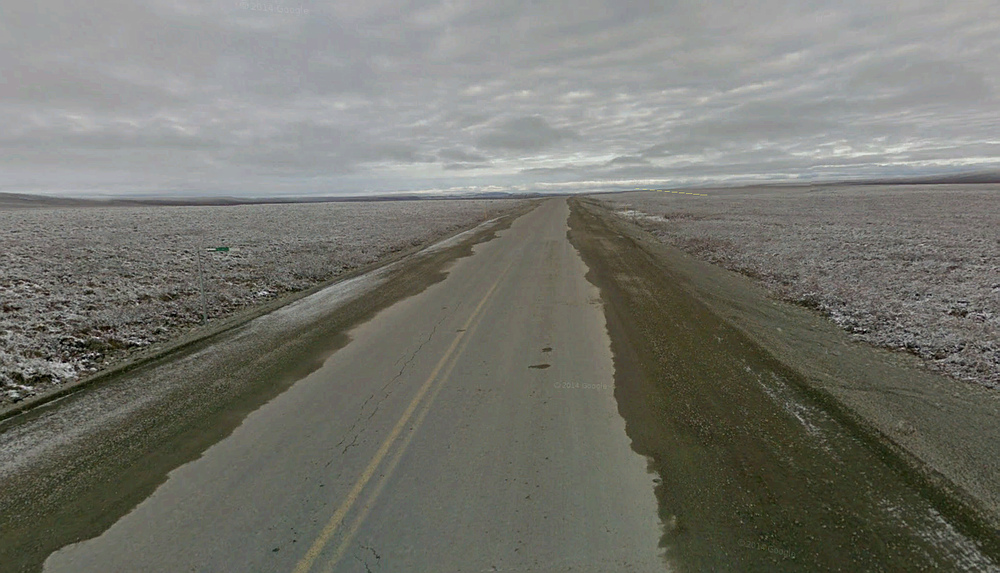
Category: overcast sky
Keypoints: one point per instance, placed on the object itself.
(290, 97)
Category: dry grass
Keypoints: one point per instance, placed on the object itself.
(81, 287)
(914, 268)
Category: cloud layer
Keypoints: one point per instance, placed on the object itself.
(125, 96)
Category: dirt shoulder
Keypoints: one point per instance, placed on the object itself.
(71, 468)
(82, 290)
(795, 437)
(911, 268)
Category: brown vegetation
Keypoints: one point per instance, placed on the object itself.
(909, 268)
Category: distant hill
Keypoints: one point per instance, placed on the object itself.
(967, 178)
(28, 201)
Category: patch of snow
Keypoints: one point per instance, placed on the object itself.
(81, 288)
(909, 268)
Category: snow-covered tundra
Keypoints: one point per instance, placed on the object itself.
(914, 268)
(80, 287)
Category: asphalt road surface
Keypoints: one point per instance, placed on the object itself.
(554, 399)
(472, 427)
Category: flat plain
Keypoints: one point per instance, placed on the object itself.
(910, 268)
(81, 288)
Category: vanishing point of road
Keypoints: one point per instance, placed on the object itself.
(494, 412)
(472, 427)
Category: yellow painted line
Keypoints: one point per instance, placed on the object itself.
(363, 514)
(306, 563)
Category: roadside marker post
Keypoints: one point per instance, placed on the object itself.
(201, 278)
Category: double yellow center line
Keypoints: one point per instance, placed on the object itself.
(449, 359)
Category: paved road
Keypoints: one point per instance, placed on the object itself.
(472, 427)
(510, 417)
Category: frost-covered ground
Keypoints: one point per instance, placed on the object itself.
(81, 287)
(914, 268)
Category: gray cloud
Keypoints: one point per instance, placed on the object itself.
(454, 154)
(118, 96)
(464, 166)
(907, 82)
(628, 160)
(531, 133)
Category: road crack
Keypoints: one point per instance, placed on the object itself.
(364, 561)
(357, 428)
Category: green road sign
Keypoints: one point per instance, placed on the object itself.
(219, 249)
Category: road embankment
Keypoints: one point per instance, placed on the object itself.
(72, 467)
(780, 443)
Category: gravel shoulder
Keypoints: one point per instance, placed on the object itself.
(909, 268)
(83, 290)
(71, 468)
(941, 435)
(913, 271)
